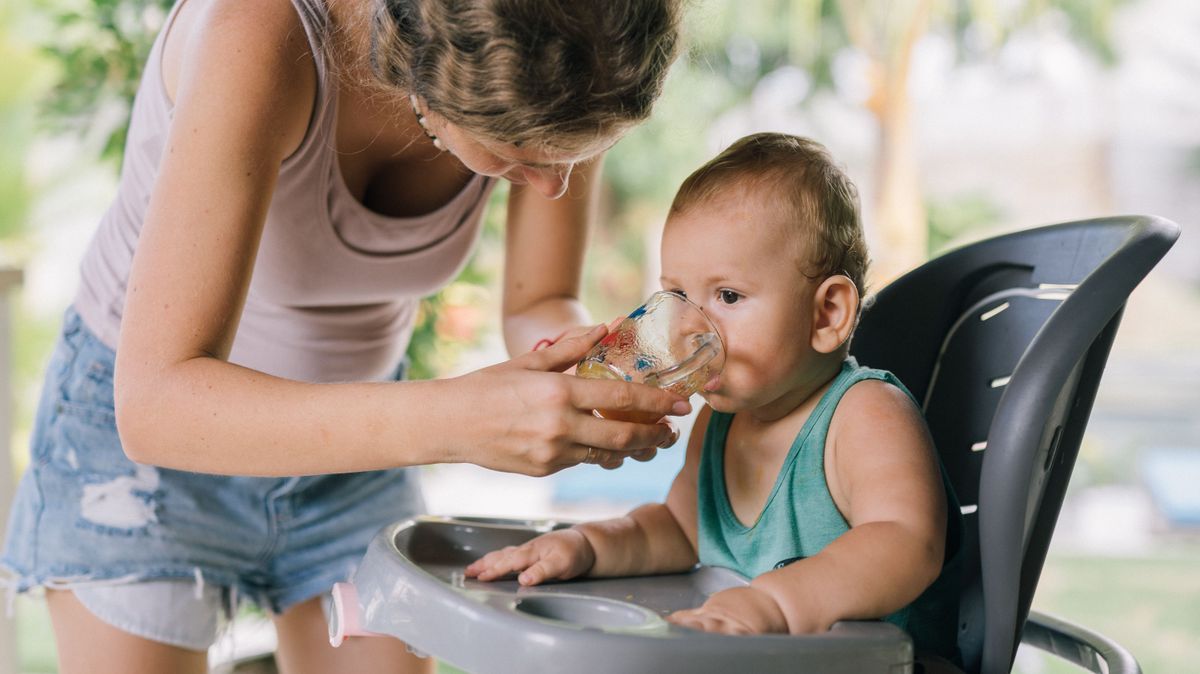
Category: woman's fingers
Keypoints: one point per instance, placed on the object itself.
(674, 429)
(623, 400)
(544, 422)
(613, 461)
(607, 459)
(618, 436)
(644, 455)
(562, 354)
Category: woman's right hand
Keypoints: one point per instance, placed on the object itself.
(526, 416)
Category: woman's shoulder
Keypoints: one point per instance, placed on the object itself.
(253, 52)
(230, 35)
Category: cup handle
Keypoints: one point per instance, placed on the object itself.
(682, 370)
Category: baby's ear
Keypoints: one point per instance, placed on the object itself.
(835, 307)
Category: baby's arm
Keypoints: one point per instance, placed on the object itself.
(885, 479)
(653, 538)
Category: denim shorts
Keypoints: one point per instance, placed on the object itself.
(160, 553)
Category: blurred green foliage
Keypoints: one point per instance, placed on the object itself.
(100, 46)
(22, 80)
(951, 219)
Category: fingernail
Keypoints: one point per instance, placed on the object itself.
(523, 579)
(596, 328)
(681, 407)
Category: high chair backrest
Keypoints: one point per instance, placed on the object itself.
(1004, 341)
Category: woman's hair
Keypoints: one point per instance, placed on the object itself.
(817, 196)
(556, 74)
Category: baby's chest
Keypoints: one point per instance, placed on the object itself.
(763, 463)
(752, 469)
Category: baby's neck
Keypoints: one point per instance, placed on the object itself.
(810, 386)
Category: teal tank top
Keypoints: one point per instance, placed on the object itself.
(800, 517)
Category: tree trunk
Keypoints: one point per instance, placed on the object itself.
(898, 211)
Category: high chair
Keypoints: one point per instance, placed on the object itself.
(1003, 340)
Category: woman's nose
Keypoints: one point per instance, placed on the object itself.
(550, 182)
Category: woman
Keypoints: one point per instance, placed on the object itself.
(298, 174)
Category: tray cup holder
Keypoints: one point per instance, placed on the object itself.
(594, 612)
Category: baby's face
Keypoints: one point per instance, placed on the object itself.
(735, 256)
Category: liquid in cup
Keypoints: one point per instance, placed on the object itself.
(667, 342)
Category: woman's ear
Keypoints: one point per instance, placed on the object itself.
(835, 309)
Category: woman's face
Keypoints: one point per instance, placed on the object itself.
(546, 171)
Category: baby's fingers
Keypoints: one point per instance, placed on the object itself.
(554, 564)
(539, 572)
(691, 618)
(699, 619)
(500, 563)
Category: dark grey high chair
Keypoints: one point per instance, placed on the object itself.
(1005, 341)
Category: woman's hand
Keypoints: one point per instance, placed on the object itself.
(558, 555)
(525, 416)
(739, 610)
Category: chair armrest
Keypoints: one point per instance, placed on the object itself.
(1078, 645)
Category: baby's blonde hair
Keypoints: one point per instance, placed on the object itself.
(559, 74)
(821, 200)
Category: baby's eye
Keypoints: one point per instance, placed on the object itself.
(728, 296)
(677, 291)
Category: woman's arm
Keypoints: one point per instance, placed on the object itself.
(545, 241)
(244, 95)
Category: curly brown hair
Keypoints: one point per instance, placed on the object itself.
(555, 74)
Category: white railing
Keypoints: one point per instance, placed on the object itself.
(9, 279)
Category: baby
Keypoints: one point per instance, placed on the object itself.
(813, 476)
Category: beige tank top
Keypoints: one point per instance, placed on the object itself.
(336, 286)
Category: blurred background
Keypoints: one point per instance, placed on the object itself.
(958, 119)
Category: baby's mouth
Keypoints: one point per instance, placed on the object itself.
(712, 384)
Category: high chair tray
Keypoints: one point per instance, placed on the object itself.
(410, 586)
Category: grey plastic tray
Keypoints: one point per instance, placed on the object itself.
(410, 586)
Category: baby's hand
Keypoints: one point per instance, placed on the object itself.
(739, 610)
(558, 555)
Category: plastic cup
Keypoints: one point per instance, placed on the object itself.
(668, 342)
